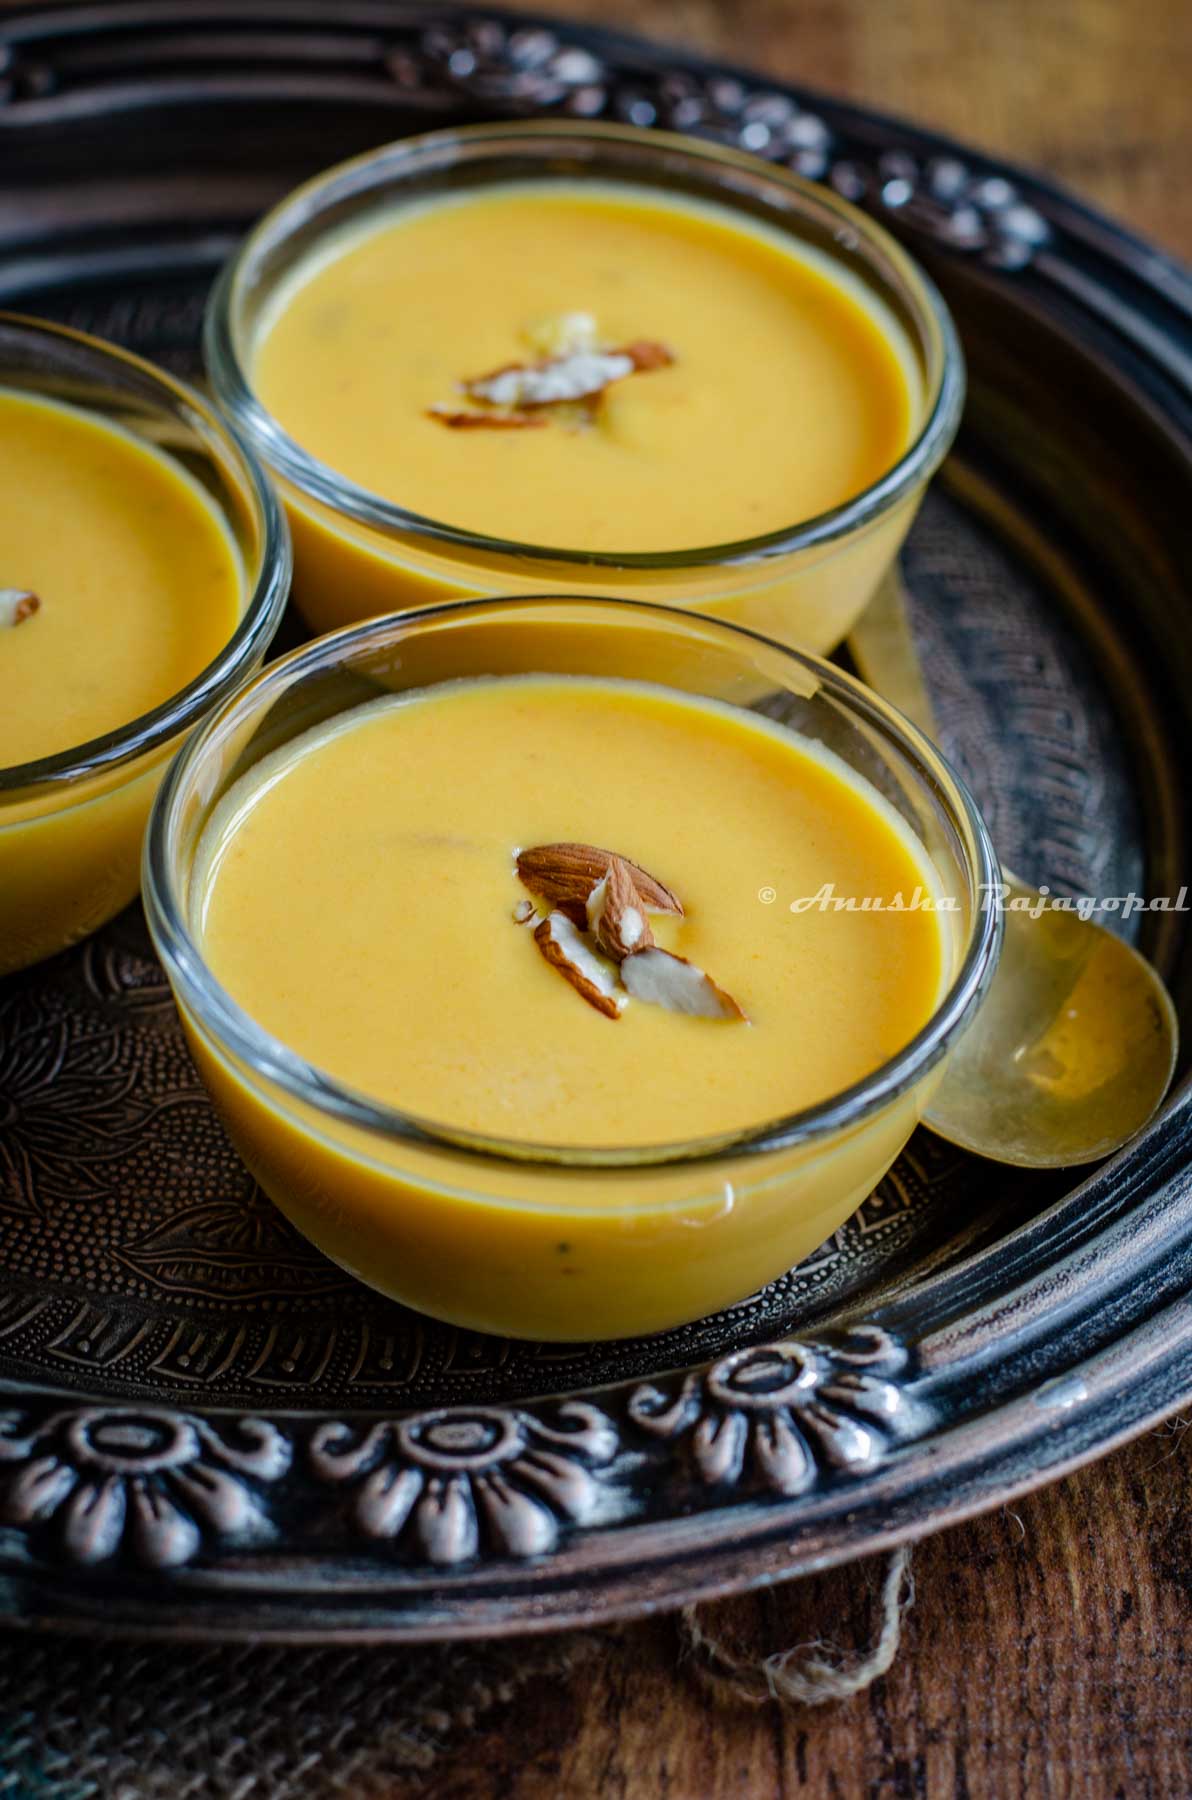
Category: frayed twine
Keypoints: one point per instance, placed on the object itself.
(807, 1674)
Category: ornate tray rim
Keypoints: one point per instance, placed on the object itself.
(639, 1495)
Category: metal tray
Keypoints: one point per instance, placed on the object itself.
(206, 1428)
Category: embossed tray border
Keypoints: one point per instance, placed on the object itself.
(1069, 1336)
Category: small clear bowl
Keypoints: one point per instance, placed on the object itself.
(357, 555)
(71, 824)
(467, 1227)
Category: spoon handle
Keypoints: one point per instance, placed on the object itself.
(882, 644)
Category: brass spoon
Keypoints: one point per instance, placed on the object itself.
(1075, 1043)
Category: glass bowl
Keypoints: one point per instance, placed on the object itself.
(467, 1227)
(357, 554)
(71, 824)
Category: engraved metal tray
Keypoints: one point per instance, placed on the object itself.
(205, 1428)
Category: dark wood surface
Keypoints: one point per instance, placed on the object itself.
(1049, 1649)
(1091, 92)
(1048, 1653)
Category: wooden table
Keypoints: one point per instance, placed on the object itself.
(1049, 1649)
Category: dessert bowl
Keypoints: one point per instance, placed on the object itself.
(360, 551)
(71, 822)
(515, 1235)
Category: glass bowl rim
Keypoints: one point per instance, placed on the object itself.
(267, 1058)
(147, 732)
(320, 482)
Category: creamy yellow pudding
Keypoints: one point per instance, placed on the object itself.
(417, 897)
(137, 579)
(359, 890)
(120, 584)
(586, 360)
(788, 391)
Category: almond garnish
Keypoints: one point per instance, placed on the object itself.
(606, 895)
(589, 974)
(523, 912)
(571, 377)
(484, 421)
(667, 980)
(561, 333)
(576, 368)
(646, 355)
(616, 913)
(564, 875)
(17, 605)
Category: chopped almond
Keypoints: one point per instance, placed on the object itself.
(17, 605)
(574, 376)
(664, 979)
(564, 875)
(645, 356)
(591, 977)
(484, 421)
(617, 914)
(571, 378)
(562, 333)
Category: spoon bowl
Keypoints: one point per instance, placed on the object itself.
(1072, 1051)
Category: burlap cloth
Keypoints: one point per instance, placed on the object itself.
(82, 1719)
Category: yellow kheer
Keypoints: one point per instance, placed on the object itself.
(380, 896)
(120, 584)
(476, 392)
(787, 391)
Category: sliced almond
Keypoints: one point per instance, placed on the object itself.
(591, 977)
(523, 912)
(646, 355)
(617, 914)
(664, 979)
(564, 875)
(572, 376)
(568, 380)
(484, 421)
(17, 605)
(562, 333)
